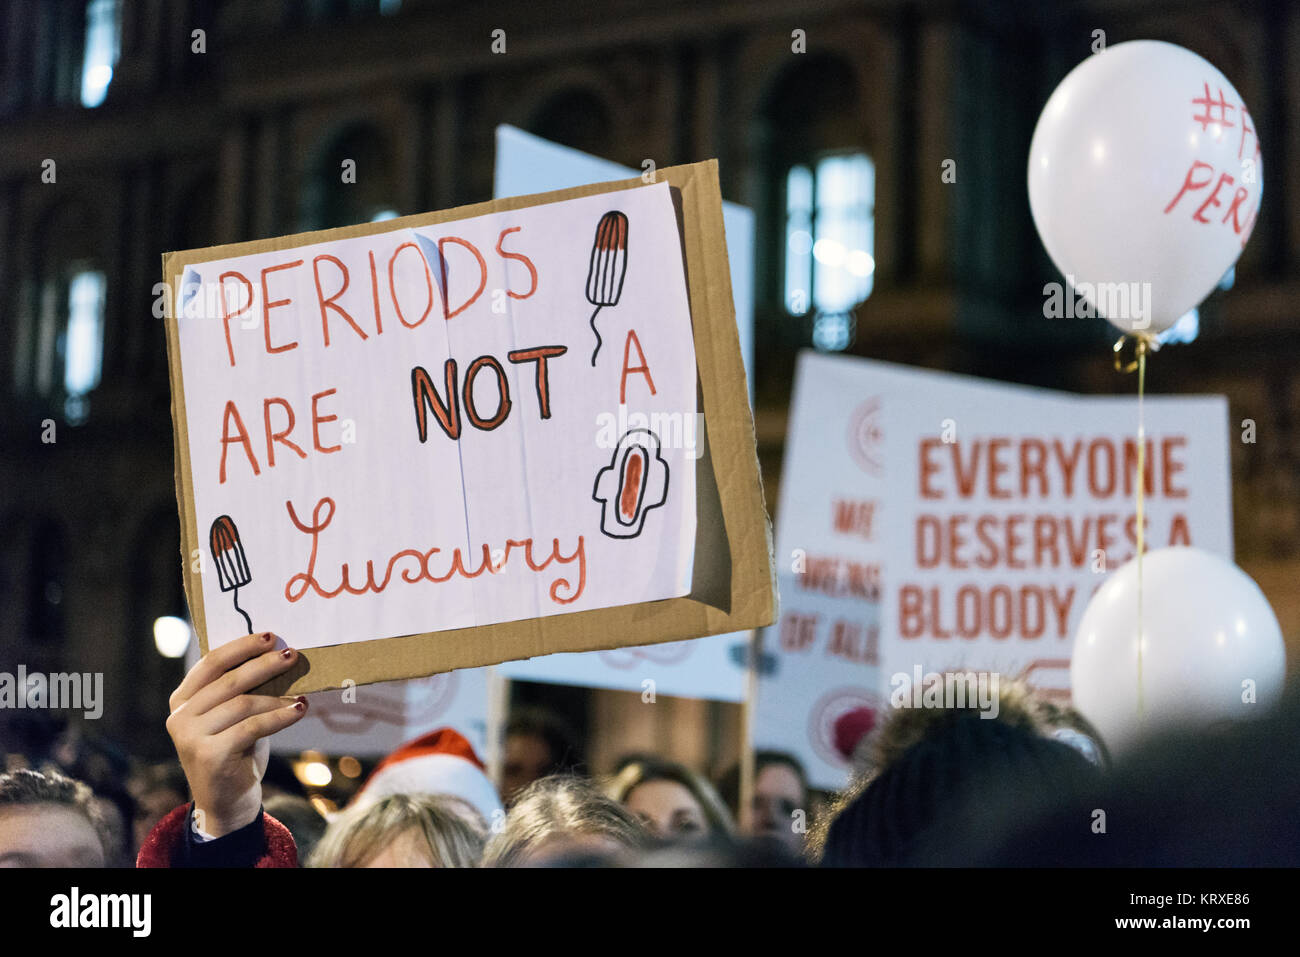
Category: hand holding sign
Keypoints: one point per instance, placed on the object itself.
(1144, 181)
(220, 728)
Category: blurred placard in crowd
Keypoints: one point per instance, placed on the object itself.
(931, 521)
(372, 720)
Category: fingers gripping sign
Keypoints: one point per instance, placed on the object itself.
(220, 728)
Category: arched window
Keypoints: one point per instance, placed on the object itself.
(830, 239)
(352, 181)
(821, 199)
(59, 343)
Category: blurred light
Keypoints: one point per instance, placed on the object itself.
(388, 7)
(1099, 151)
(76, 409)
(94, 85)
(860, 263)
(349, 767)
(323, 805)
(84, 346)
(171, 636)
(315, 773)
(1228, 279)
(829, 252)
(101, 50)
(833, 331)
(801, 242)
(384, 214)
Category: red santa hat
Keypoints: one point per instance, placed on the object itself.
(440, 762)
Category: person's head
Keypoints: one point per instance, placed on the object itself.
(671, 800)
(536, 744)
(1067, 725)
(562, 819)
(155, 791)
(403, 830)
(919, 802)
(48, 820)
(300, 816)
(780, 789)
(440, 762)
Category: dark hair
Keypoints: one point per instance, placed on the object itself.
(26, 787)
(729, 784)
(645, 770)
(531, 721)
(163, 776)
(933, 795)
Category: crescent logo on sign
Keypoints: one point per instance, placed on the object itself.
(867, 436)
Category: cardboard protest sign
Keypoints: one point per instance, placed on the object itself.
(931, 521)
(459, 438)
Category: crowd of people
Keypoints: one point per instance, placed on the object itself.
(1030, 783)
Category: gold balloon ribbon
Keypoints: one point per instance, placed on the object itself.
(1142, 345)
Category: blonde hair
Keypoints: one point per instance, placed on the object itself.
(453, 832)
(556, 807)
(645, 770)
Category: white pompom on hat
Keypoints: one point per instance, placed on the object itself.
(440, 762)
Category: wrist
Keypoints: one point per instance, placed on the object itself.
(214, 820)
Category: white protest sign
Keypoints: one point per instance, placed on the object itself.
(410, 431)
(933, 521)
(713, 667)
(372, 720)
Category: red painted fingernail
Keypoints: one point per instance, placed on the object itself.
(267, 636)
(300, 705)
(286, 654)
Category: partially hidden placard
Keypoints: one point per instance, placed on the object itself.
(466, 437)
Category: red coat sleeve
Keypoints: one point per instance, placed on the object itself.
(263, 843)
